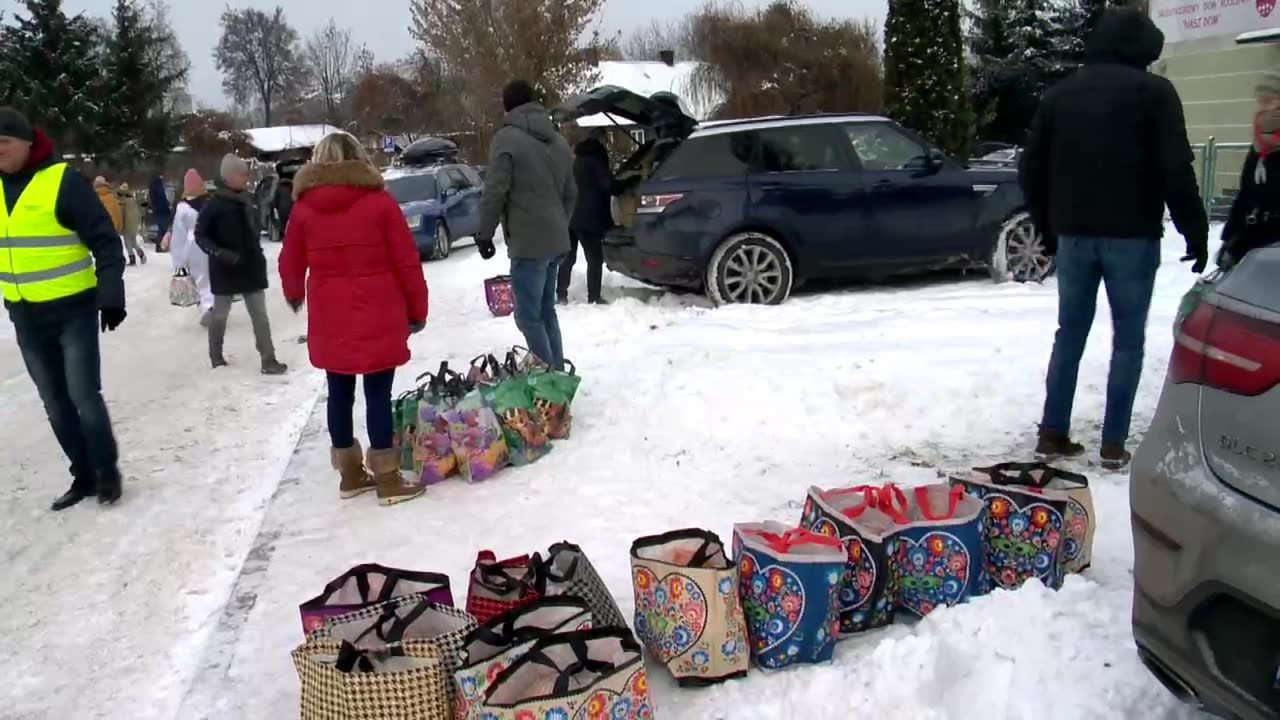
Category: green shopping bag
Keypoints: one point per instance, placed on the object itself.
(404, 413)
(512, 400)
(553, 393)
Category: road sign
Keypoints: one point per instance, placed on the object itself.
(389, 145)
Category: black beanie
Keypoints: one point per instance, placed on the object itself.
(14, 124)
(515, 94)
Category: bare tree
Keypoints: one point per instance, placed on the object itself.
(258, 56)
(330, 63)
(647, 42)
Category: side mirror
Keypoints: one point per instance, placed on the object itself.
(450, 192)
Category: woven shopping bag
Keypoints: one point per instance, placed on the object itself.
(789, 579)
(867, 592)
(583, 675)
(342, 682)
(936, 556)
(568, 571)
(182, 290)
(499, 587)
(499, 295)
(1077, 549)
(490, 648)
(371, 584)
(688, 612)
(1026, 530)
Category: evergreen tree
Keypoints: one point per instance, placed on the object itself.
(139, 78)
(51, 69)
(925, 71)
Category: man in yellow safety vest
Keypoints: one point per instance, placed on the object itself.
(62, 277)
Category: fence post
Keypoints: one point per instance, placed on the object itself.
(1209, 173)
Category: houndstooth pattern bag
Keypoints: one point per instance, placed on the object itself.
(341, 682)
(408, 620)
(569, 572)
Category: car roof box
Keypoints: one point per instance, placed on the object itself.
(429, 151)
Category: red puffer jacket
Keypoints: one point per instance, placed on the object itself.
(349, 253)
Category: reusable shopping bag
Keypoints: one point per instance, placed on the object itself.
(433, 451)
(1077, 547)
(490, 648)
(1026, 530)
(867, 591)
(789, 579)
(588, 674)
(182, 290)
(936, 556)
(371, 584)
(553, 393)
(477, 438)
(499, 295)
(342, 682)
(512, 401)
(688, 612)
(404, 413)
(1193, 297)
(499, 587)
(569, 572)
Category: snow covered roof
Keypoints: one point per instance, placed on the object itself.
(287, 137)
(647, 78)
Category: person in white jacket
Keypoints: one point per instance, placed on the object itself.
(183, 250)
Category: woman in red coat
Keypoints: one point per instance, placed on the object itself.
(349, 252)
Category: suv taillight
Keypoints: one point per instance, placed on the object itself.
(1226, 350)
(654, 204)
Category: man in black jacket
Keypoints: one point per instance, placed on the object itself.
(1107, 151)
(62, 276)
(592, 216)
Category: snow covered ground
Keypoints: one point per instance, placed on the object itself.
(182, 601)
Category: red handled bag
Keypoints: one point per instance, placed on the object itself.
(936, 557)
(499, 587)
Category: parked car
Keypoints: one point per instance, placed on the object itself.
(1205, 502)
(1006, 158)
(747, 210)
(440, 202)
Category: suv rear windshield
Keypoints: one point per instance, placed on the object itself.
(412, 188)
(709, 156)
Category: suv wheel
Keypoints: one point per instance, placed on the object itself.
(750, 268)
(443, 243)
(1021, 254)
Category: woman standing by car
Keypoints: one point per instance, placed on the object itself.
(348, 249)
(1255, 214)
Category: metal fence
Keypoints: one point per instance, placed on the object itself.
(1218, 167)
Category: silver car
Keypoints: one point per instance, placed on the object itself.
(1205, 501)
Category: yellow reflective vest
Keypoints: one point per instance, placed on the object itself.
(40, 260)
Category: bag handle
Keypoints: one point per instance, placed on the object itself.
(886, 497)
(493, 577)
(549, 571)
(1020, 474)
(394, 632)
(792, 538)
(581, 664)
(350, 657)
(954, 496)
(570, 368)
(870, 499)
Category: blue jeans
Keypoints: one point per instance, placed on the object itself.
(377, 400)
(534, 284)
(61, 354)
(1127, 267)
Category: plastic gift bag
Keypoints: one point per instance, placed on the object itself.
(500, 587)
(499, 295)
(568, 571)
(404, 414)
(789, 580)
(688, 612)
(182, 290)
(342, 682)
(433, 450)
(588, 674)
(477, 438)
(936, 557)
(867, 594)
(512, 402)
(370, 584)
(492, 647)
(1051, 482)
(553, 394)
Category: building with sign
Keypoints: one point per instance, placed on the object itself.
(1214, 52)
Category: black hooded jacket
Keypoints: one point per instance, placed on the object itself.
(593, 213)
(1108, 148)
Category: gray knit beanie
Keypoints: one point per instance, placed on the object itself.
(232, 164)
(14, 124)
(1268, 84)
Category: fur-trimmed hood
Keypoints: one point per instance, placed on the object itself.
(347, 174)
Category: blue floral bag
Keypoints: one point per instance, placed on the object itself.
(789, 580)
(937, 556)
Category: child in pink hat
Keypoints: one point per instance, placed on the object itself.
(185, 253)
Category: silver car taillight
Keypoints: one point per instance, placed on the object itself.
(655, 204)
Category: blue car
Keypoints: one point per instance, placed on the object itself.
(745, 211)
(440, 202)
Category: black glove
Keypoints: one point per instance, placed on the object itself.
(296, 305)
(1227, 258)
(415, 328)
(112, 317)
(486, 247)
(1197, 254)
(227, 257)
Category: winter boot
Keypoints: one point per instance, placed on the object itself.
(1115, 457)
(132, 260)
(82, 486)
(142, 256)
(392, 487)
(217, 361)
(271, 366)
(109, 489)
(1054, 445)
(349, 462)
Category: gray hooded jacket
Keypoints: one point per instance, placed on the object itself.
(529, 187)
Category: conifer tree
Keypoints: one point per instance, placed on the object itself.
(925, 71)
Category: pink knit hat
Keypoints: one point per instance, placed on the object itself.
(192, 183)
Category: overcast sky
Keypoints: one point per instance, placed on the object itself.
(383, 24)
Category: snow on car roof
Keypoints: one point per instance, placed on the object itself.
(647, 78)
(287, 137)
(722, 128)
(400, 171)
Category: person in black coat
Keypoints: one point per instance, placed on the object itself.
(161, 212)
(592, 216)
(227, 231)
(1255, 214)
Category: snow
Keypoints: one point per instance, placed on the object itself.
(182, 601)
(1253, 36)
(287, 137)
(647, 78)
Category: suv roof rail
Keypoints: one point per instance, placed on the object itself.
(772, 118)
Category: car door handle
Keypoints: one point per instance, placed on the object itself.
(882, 185)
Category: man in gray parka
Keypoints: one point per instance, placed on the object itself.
(529, 188)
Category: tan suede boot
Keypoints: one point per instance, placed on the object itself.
(349, 462)
(392, 487)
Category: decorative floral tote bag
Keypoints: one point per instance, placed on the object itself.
(526, 436)
(583, 675)
(477, 439)
(688, 613)
(434, 446)
(937, 556)
(342, 682)
(569, 572)
(1077, 550)
(490, 648)
(789, 580)
(499, 295)
(553, 394)
(867, 592)
(371, 584)
(499, 587)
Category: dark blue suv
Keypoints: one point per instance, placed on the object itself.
(747, 210)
